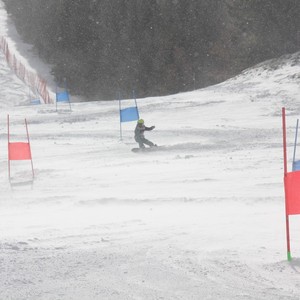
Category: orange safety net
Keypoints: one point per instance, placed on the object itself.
(33, 80)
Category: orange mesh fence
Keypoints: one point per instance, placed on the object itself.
(30, 78)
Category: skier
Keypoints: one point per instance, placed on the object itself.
(139, 134)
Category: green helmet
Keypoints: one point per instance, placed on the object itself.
(140, 121)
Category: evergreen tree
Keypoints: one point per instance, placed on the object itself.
(156, 47)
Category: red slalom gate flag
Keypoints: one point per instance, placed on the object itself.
(291, 188)
(292, 192)
(19, 151)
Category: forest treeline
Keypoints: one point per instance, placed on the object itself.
(155, 47)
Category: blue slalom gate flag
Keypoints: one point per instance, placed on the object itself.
(129, 114)
(34, 97)
(35, 101)
(62, 97)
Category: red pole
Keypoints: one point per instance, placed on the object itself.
(8, 146)
(284, 141)
(285, 175)
(29, 148)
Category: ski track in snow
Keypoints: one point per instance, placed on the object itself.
(201, 218)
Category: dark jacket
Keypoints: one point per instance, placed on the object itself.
(140, 129)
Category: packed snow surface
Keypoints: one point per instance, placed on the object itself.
(201, 218)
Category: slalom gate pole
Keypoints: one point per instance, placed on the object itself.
(8, 147)
(289, 256)
(295, 145)
(137, 109)
(120, 108)
(56, 98)
(29, 148)
(66, 90)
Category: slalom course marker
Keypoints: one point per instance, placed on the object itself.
(35, 101)
(34, 98)
(291, 186)
(63, 97)
(296, 164)
(128, 114)
(18, 150)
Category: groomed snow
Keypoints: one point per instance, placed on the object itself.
(201, 219)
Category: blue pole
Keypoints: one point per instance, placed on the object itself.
(295, 145)
(137, 109)
(56, 97)
(120, 117)
(66, 90)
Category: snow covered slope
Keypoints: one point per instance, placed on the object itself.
(201, 219)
